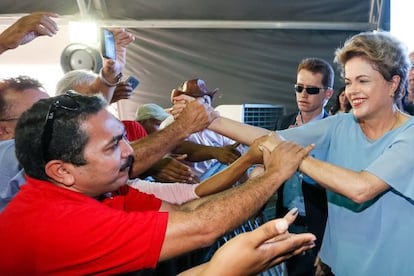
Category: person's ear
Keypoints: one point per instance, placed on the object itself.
(6, 132)
(329, 93)
(60, 172)
(395, 82)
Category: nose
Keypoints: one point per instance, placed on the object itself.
(126, 148)
(303, 94)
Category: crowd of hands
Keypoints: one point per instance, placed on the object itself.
(246, 254)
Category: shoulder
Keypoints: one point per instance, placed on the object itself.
(285, 121)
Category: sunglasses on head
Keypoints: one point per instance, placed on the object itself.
(310, 89)
(65, 102)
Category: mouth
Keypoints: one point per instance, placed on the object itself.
(302, 103)
(357, 102)
(127, 164)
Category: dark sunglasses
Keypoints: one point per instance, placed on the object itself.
(66, 102)
(310, 90)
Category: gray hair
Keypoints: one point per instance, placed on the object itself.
(74, 78)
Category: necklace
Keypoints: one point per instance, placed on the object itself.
(396, 120)
(394, 124)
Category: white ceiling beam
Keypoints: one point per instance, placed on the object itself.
(8, 19)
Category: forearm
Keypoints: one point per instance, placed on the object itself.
(195, 152)
(5, 43)
(204, 220)
(106, 83)
(174, 193)
(107, 91)
(224, 179)
(242, 133)
(3, 47)
(150, 149)
(242, 201)
(357, 186)
(198, 270)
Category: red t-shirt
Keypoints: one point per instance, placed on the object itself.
(51, 230)
(134, 130)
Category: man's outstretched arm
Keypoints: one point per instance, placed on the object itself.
(152, 148)
(252, 252)
(27, 28)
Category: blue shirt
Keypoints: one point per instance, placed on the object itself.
(376, 237)
(292, 188)
(11, 174)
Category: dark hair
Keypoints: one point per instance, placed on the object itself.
(68, 138)
(386, 53)
(336, 106)
(318, 65)
(18, 84)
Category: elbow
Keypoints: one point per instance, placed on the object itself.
(361, 196)
(209, 235)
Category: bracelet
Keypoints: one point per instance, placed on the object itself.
(108, 83)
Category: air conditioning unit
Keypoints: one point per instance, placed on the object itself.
(261, 115)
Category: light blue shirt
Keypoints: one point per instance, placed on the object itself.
(11, 174)
(376, 237)
(292, 188)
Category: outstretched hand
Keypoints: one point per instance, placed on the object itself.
(284, 158)
(252, 252)
(227, 154)
(27, 28)
(195, 116)
(255, 151)
(171, 169)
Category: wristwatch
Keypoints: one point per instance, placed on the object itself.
(108, 83)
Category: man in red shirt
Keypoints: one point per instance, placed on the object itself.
(75, 215)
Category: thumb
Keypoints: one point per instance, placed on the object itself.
(266, 153)
(235, 145)
(269, 230)
(291, 215)
(180, 156)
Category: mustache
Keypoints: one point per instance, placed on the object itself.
(128, 163)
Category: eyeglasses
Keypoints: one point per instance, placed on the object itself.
(311, 90)
(66, 102)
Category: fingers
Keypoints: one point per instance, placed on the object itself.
(308, 149)
(183, 98)
(122, 37)
(235, 145)
(291, 215)
(269, 230)
(270, 140)
(180, 156)
(295, 244)
(47, 26)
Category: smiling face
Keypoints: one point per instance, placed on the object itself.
(368, 92)
(106, 153)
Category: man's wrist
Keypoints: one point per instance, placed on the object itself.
(108, 83)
